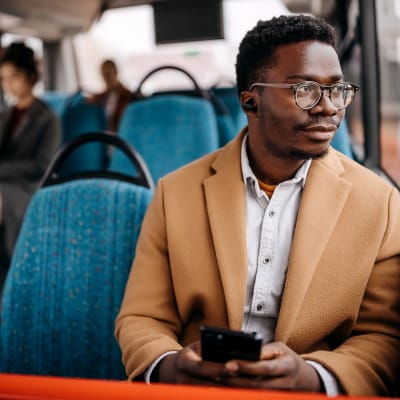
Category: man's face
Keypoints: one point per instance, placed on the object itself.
(109, 74)
(284, 130)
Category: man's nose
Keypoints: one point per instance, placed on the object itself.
(325, 105)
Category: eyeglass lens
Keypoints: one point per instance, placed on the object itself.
(309, 94)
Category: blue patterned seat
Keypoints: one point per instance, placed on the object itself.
(67, 279)
(230, 98)
(79, 118)
(225, 123)
(341, 140)
(168, 131)
(57, 101)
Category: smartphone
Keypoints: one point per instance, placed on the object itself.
(222, 345)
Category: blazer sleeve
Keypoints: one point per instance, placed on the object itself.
(148, 322)
(368, 362)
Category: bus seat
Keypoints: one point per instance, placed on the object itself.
(229, 96)
(341, 140)
(226, 129)
(67, 278)
(226, 125)
(77, 119)
(57, 101)
(78, 97)
(168, 131)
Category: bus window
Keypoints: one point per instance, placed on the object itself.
(349, 48)
(388, 24)
(127, 36)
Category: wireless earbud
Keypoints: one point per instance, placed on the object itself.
(249, 105)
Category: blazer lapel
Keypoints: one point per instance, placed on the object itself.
(225, 200)
(324, 195)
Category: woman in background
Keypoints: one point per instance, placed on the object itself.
(29, 136)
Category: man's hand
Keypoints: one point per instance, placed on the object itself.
(187, 367)
(280, 368)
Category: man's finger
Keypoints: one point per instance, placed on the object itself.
(283, 365)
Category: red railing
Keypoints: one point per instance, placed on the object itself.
(30, 387)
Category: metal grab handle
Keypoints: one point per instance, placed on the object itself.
(51, 176)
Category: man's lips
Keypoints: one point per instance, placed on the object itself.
(320, 128)
(320, 132)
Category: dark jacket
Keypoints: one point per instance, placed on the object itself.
(23, 163)
(124, 96)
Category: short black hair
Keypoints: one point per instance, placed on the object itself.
(256, 51)
(108, 61)
(23, 58)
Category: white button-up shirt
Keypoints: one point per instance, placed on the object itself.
(270, 226)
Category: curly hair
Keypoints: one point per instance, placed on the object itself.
(256, 51)
(23, 58)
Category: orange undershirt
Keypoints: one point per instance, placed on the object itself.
(268, 189)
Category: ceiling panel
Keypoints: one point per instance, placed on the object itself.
(50, 19)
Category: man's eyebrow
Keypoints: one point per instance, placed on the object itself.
(306, 77)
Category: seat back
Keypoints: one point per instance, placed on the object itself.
(341, 140)
(230, 98)
(168, 131)
(78, 119)
(138, 172)
(67, 279)
(57, 101)
(226, 122)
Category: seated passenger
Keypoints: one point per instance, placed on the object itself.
(115, 96)
(29, 135)
(275, 233)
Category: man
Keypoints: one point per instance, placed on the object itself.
(276, 233)
(115, 97)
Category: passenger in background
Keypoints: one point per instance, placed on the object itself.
(29, 136)
(115, 96)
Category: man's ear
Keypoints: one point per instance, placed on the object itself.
(248, 102)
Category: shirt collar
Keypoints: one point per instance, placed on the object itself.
(248, 174)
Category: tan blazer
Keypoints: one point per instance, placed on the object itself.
(340, 304)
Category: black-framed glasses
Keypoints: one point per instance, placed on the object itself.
(308, 94)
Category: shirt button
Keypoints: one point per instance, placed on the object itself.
(266, 260)
(259, 307)
(271, 213)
